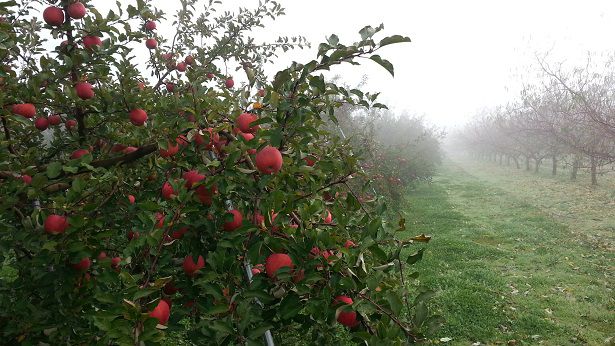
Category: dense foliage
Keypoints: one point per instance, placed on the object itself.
(153, 195)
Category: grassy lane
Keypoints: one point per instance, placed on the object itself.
(508, 270)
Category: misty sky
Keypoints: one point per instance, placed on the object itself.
(465, 55)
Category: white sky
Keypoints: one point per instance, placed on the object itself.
(465, 55)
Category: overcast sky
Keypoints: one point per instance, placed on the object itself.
(465, 55)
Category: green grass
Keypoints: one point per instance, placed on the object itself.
(506, 267)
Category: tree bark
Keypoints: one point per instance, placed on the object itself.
(527, 163)
(554, 167)
(516, 162)
(594, 171)
(537, 165)
(575, 169)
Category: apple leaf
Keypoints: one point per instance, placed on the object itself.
(54, 169)
(394, 39)
(384, 63)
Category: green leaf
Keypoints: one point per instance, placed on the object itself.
(54, 169)
(384, 63)
(367, 32)
(393, 39)
(416, 257)
(394, 302)
(259, 331)
(333, 40)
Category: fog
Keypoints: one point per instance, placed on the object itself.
(465, 55)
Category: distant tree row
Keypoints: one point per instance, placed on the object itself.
(567, 117)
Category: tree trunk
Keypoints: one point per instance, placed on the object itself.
(554, 167)
(500, 159)
(575, 169)
(527, 163)
(516, 162)
(537, 165)
(507, 160)
(594, 171)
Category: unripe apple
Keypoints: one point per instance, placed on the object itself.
(189, 60)
(244, 120)
(167, 191)
(151, 43)
(91, 42)
(138, 117)
(82, 265)
(161, 312)
(84, 90)
(190, 268)
(276, 261)
(54, 119)
(229, 83)
(236, 223)
(56, 224)
(26, 179)
(346, 318)
(79, 153)
(150, 25)
(41, 123)
(269, 160)
(26, 110)
(181, 67)
(53, 16)
(131, 199)
(76, 10)
(70, 123)
(192, 177)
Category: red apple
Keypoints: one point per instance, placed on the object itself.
(129, 150)
(138, 117)
(269, 160)
(346, 318)
(192, 177)
(26, 179)
(53, 16)
(76, 10)
(328, 218)
(257, 269)
(236, 223)
(171, 150)
(161, 312)
(115, 262)
(84, 90)
(309, 160)
(205, 194)
(102, 255)
(91, 42)
(167, 191)
(349, 243)
(181, 67)
(261, 92)
(150, 25)
(133, 235)
(151, 43)
(70, 123)
(141, 86)
(244, 121)
(229, 83)
(170, 86)
(178, 234)
(131, 199)
(41, 123)
(54, 119)
(79, 153)
(56, 224)
(190, 268)
(276, 261)
(26, 110)
(82, 265)
(210, 75)
(189, 60)
(170, 289)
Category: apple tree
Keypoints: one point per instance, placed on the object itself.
(146, 193)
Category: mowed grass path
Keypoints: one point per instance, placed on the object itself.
(506, 270)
